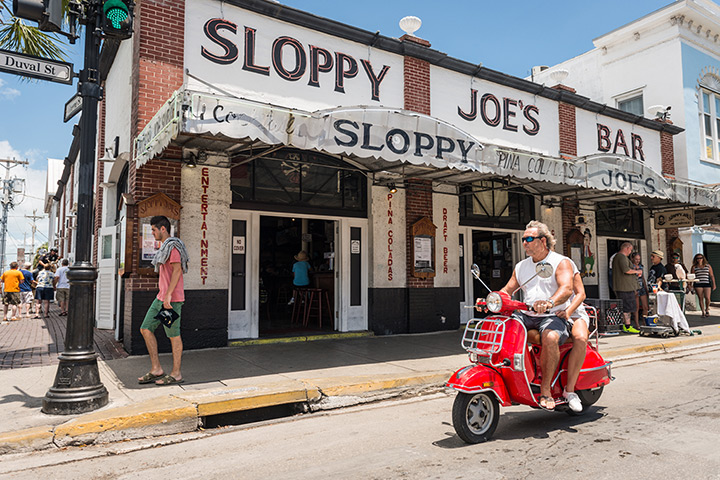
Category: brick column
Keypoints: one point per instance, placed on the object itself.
(100, 176)
(667, 154)
(418, 202)
(568, 149)
(157, 71)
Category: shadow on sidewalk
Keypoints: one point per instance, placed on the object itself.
(395, 353)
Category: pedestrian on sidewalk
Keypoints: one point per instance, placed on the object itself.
(26, 290)
(44, 292)
(170, 262)
(657, 270)
(704, 282)
(642, 291)
(11, 280)
(625, 284)
(62, 286)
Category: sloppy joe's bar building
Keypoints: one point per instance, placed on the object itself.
(391, 165)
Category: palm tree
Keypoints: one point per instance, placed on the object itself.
(19, 37)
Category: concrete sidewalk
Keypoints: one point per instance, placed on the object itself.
(320, 374)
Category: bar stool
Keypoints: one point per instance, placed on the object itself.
(315, 297)
(300, 295)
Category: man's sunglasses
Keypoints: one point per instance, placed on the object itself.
(529, 239)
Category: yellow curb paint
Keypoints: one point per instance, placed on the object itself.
(303, 338)
(658, 347)
(249, 403)
(345, 386)
(27, 438)
(151, 412)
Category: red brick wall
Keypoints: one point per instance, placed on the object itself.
(417, 80)
(568, 125)
(570, 209)
(667, 153)
(418, 204)
(99, 177)
(418, 201)
(158, 63)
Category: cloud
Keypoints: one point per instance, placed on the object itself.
(30, 202)
(8, 93)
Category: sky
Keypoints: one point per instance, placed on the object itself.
(510, 37)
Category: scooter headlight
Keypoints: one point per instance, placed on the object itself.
(494, 302)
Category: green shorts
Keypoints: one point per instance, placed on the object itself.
(151, 323)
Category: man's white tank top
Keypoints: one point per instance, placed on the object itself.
(540, 288)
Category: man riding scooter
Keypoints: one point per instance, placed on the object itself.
(548, 296)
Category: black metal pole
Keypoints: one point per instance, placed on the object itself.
(77, 386)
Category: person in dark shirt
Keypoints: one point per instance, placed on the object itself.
(657, 271)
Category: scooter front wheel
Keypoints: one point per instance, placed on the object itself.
(475, 416)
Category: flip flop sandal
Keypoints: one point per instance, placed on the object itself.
(168, 380)
(544, 403)
(149, 378)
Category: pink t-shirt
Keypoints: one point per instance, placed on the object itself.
(178, 295)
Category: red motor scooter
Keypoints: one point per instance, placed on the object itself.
(505, 369)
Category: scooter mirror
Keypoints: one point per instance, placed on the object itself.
(475, 270)
(544, 270)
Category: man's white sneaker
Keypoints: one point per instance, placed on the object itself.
(573, 401)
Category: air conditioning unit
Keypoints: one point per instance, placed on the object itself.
(580, 220)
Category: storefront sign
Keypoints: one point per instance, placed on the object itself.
(159, 132)
(363, 131)
(597, 134)
(675, 219)
(355, 247)
(389, 237)
(246, 52)
(204, 240)
(238, 246)
(445, 239)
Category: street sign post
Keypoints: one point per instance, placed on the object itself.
(73, 107)
(36, 67)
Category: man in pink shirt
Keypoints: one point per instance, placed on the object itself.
(170, 262)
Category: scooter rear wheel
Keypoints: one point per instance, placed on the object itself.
(475, 416)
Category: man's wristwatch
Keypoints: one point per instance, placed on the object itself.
(551, 302)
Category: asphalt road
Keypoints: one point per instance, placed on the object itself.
(659, 419)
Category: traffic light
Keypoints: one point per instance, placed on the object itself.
(48, 13)
(118, 18)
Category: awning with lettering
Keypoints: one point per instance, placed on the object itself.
(394, 140)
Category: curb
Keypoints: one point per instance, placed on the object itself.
(183, 412)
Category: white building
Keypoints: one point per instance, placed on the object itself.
(665, 62)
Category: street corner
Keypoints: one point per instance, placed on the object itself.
(158, 416)
(30, 439)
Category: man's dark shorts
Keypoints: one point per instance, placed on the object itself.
(629, 301)
(552, 322)
(12, 298)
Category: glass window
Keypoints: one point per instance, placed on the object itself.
(106, 247)
(619, 218)
(492, 203)
(303, 179)
(710, 124)
(631, 105)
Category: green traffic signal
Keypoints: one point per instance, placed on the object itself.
(117, 19)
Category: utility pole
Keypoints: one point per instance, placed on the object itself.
(34, 219)
(8, 201)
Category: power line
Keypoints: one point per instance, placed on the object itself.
(10, 187)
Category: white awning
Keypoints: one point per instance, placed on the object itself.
(396, 137)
